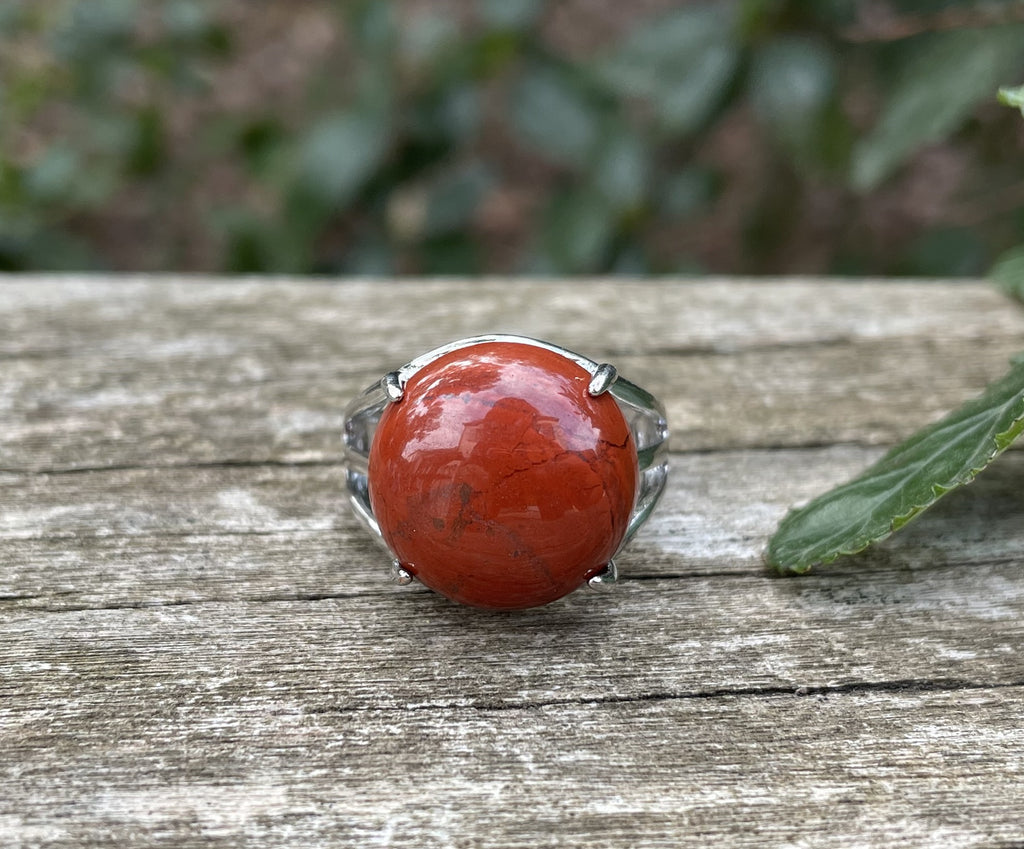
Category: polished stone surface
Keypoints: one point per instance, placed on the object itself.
(498, 481)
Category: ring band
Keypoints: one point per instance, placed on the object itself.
(504, 472)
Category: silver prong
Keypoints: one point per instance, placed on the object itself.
(603, 379)
(606, 578)
(399, 575)
(393, 386)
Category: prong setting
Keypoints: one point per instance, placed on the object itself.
(393, 386)
(399, 575)
(606, 578)
(603, 378)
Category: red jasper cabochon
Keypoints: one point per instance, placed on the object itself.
(498, 481)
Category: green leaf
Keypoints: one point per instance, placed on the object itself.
(622, 169)
(905, 482)
(452, 201)
(94, 28)
(52, 178)
(14, 16)
(424, 39)
(149, 148)
(440, 206)
(455, 254)
(945, 252)
(371, 256)
(1012, 97)
(945, 78)
(578, 230)
(258, 140)
(554, 116)
(631, 261)
(688, 192)
(681, 62)
(186, 20)
(513, 15)
(247, 249)
(256, 245)
(1008, 272)
(339, 154)
(459, 113)
(373, 25)
(450, 116)
(793, 80)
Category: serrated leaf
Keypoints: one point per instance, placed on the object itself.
(905, 482)
(681, 62)
(945, 78)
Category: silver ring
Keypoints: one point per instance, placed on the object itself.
(504, 472)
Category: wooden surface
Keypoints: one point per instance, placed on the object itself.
(198, 646)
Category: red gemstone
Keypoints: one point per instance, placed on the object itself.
(498, 481)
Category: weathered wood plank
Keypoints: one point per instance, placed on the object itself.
(66, 316)
(101, 412)
(882, 769)
(670, 637)
(197, 647)
(133, 536)
(153, 376)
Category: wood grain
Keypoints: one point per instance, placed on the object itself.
(100, 375)
(849, 768)
(198, 647)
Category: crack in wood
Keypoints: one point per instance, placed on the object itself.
(13, 601)
(338, 462)
(268, 463)
(854, 688)
(184, 533)
(690, 351)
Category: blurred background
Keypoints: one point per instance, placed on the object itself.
(510, 136)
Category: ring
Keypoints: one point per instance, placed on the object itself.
(504, 472)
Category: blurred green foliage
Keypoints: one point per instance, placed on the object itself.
(423, 141)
